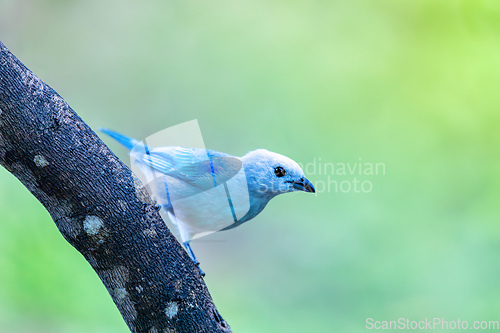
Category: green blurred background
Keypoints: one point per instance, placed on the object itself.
(413, 85)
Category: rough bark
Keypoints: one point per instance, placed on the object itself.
(99, 207)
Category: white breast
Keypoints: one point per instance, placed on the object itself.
(198, 213)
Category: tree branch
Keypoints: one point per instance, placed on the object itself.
(99, 207)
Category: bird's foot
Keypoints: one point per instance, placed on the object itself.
(202, 273)
(193, 258)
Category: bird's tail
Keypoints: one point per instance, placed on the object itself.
(124, 140)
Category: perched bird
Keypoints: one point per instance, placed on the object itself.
(204, 191)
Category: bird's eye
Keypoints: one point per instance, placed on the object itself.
(279, 171)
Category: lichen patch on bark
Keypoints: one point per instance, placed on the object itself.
(171, 310)
(92, 225)
(40, 161)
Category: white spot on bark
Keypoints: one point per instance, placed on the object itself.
(120, 294)
(171, 309)
(92, 224)
(1, 112)
(123, 205)
(150, 232)
(40, 161)
(139, 289)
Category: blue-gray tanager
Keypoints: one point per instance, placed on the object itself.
(204, 191)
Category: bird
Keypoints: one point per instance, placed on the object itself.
(204, 191)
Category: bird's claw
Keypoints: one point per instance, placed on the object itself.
(202, 273)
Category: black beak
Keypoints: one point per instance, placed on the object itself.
(304, 185)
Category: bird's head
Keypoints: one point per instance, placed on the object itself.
(272, 174)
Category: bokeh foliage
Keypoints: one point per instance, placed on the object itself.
(413, 85)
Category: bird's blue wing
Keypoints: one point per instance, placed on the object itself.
(203, 169)
(210, 173)
(167, 159)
